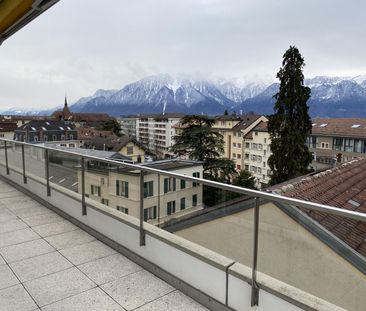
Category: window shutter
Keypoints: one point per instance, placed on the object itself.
(117, 187)
(145, 214)
(126, 189)
(98, 191)
(151, 192)
(154, 212)
(166, 181)
(173, 206)
(174, 184)
(169, 209)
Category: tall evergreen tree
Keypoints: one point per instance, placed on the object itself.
(290, 125)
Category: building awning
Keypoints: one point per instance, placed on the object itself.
(15, 14)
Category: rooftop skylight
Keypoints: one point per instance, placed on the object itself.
(323, 125)
(354, 126)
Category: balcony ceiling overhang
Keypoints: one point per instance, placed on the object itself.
(15, 14)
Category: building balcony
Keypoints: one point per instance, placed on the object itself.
(61, 249)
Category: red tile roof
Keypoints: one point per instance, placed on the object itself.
(344, 127)
(8, 126)
(343, 187)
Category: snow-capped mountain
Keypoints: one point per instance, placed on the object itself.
(330, 96)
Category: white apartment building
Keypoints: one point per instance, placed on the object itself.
(157, 132)
(120, 189)
(128, 125)
(256, 154)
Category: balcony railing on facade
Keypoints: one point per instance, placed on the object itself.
(258, 196)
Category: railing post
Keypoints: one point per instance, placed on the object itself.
(255, 288)
(23, 162)
(83, 205)
(6, 158)
(142, 231)
(47, 172)
(158, 200)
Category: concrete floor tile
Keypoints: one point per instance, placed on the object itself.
(46, 218)
(54, 228)
(2, 261)
(87, 252)
(16, 298)
(6, 215)
(137, 289)
(109, 269)
(12, 225)
(69, 239)
(39, 266)
(175, 301)
(91, 300)
(16, 237)
(25, 250)
(31, 211)
(7, 277)
(57, 286)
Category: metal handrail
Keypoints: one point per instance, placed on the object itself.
(244, 191)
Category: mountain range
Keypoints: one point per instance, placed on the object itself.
(330, 97)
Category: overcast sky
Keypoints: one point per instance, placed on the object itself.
(79, 46)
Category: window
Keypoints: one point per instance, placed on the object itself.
(122, 188)
(313, 141)
(182, 184)
(170, 207)
(196, 174)
(71, 137)
(246, 167)
(169, 184)
(45, 138)
(256, 133)
(95, 190)
(238, 167)
(130, 150)
(238, 156)
(54, 137)
(338, 143)
(182, 203)
(265, 140)
(260, 147)
(234, 145)
(259, 170)
(264, 152)
(2, 135)
(122, 209)
(253, 157)
(264, 164)
(105, 201)
(358, 146)
(234, 155)
(150, 213)
(35, 138)
(348, 144)
(194, 200)
(239, 145)
(247, 156)
(62, 137)
(325, 145)
(148, 189)
(247, 145)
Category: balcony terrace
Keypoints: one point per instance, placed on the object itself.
(60, 250)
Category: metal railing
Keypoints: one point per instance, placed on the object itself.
(257, 195)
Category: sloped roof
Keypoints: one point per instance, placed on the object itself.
(246, 120)
(8, 126)
(48, 125)
(343, 127)
(343, 187)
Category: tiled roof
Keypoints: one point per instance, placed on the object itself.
(89, 132)
(246, 121)
(344, 127)
(261, 127)
(343, 187)
(8, 126)
(48, 125)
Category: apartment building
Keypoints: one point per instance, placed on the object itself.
(234, 129)
(156, 131)
(164, 197)
(7, 129)
(256, 153)
(337, 139)
(128, 125)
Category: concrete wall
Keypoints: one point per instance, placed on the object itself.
(287, 252)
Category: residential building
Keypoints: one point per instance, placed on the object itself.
(234, 128)
(257, 150)
(156, 131)
(117, 188)
(21, 120)
(7, 129)
(337, 139)
(42, 131)
(86, 134)
(128, 125)
(330, 248)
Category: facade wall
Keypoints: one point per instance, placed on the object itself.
(7, 135)
(108, 191)
(287, 252)
(257, 151)
(137, 152)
